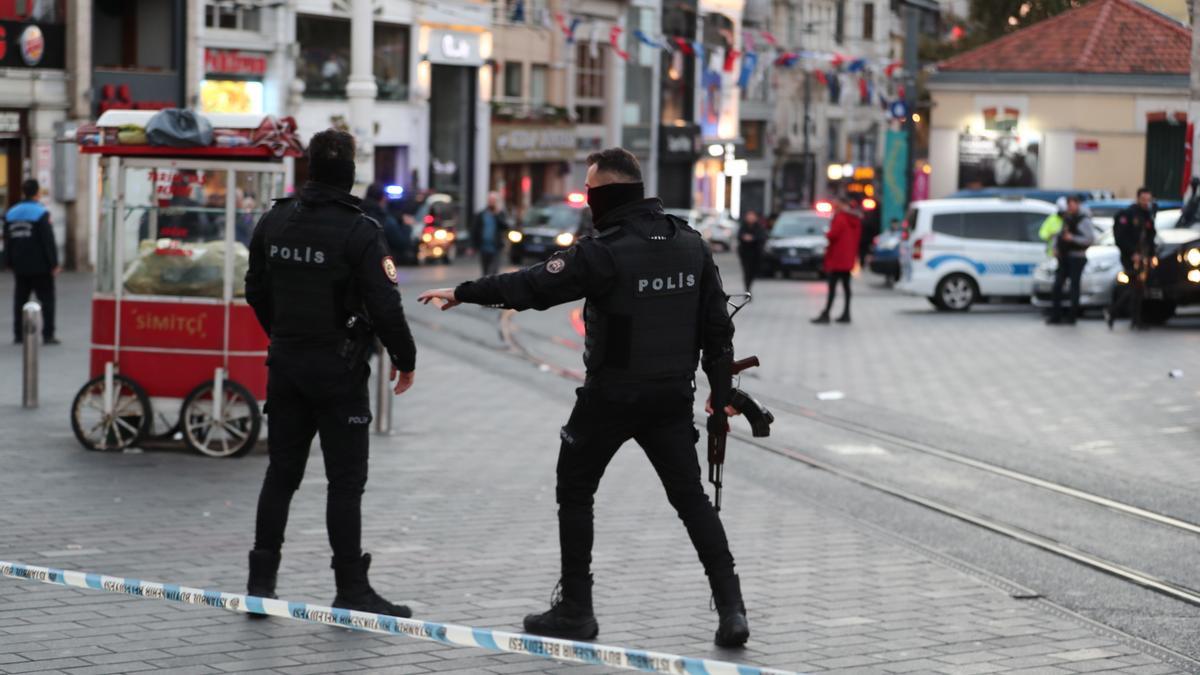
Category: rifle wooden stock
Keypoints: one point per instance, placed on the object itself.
(744, 364)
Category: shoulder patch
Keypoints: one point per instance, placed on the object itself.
(389, 268)
(555, 265)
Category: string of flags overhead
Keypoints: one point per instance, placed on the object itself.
(872, 80)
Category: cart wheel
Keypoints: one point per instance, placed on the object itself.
(124, 427)
(234, 434)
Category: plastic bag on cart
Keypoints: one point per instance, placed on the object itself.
(171, 267)
(179, 129)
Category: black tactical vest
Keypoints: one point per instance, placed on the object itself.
(647, 327)
(305, 250)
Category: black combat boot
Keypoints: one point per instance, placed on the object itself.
(570, 616)
(823, 318)
(845, 317)
(264, 568)
(355, 592)
(733, 629)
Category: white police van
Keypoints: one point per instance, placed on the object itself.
(960, 251)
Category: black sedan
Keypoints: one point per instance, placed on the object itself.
(1174, 279)
(548, 227)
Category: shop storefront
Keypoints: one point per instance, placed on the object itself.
(677, 154)
(529, 161)
(33, 103)
(233, 81)
(454, 59)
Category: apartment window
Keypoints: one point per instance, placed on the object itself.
(537, 84)
(324, 62)
(40, 11)
(136, 35)
(839, 27)
(833, 141)
(391, 61)
(589, 85)
(229, 16)
(512, 79)
(532, 12)
(868, 31)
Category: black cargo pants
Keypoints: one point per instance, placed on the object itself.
(660, 420)
(311, 393)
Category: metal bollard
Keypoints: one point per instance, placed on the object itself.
(383, 393)
(31, 322)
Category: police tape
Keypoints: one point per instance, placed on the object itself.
(459, 636)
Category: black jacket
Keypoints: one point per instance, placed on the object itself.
(29, 244)
(477, 230)
(587, 270)
(752, 238)
(1134, 232)
(316, 259)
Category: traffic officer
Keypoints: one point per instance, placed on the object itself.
(33, 256)
(322, 283)
(654, 302)
(1134, 232)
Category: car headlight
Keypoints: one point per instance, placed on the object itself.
(819, 250)
(1193, 257)
(427, 237)
(515, 236)
(1194, 276)
(440, 235)
(1122, 277)
(565, 239)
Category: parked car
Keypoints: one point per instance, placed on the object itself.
(552, 225)
(719, 229)
(885, 255)
(962, 251)
(1048, 195)
(1174, 280)
(435, 228)
(796, 244)
(1103, 269)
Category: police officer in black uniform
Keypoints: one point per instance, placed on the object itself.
(1134, 232)
(322, 285)
(654, 302)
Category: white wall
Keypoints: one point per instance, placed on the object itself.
(1057, 160)
(943, 157)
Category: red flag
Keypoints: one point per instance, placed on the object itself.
(684, 46)
(730, 57)
(820, 75)
(614, 34)
(769, 38)
(838, 59)
(1187, 158)
(890, 70)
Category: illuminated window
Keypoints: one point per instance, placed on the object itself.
(324, 62)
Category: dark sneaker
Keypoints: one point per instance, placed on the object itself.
(566, 619)
(845, 318)
(824, 318)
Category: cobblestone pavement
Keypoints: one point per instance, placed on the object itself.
(460, 515)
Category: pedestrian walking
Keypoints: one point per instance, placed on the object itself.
(32, 255)
(1134, 232)
(840, 256)
(752, 239)
(654, 303)
(488, 230)
(1070, 247)
(322, 285)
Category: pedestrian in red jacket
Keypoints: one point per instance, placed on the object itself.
(840, 256)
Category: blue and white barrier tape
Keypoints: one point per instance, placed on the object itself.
(449, 634)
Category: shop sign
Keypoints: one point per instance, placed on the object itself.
(679, 143)
(28, 45)
(234, 62)
(454, 48)
(1087, 145)
(532, 143)
(10, 122)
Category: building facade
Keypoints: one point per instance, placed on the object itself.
(1023, 112)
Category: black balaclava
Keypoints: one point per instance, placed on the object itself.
(607, 198)
(338, 173)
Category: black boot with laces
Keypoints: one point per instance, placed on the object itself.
(733, 628)
(570, 616)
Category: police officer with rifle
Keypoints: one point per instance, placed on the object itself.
(1134, 232)
(322, 285)
(654, 303)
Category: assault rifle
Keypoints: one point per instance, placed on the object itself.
(760, 424)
